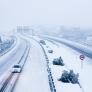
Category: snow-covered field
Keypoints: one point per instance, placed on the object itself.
(72, 61)
(87, 51)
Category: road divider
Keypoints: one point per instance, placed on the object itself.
(50, 77)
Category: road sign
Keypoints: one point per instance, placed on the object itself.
(82, 57)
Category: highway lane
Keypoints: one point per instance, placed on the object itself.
(34, 77)
(10, 80)
(80, 48)
(12, 57)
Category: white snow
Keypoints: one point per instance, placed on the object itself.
(79, 47)
(34, 77)
(12, 57)
(72, 61)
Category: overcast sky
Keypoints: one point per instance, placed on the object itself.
(45, 12)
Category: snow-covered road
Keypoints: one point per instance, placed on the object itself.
(12, 56)
(34, 77)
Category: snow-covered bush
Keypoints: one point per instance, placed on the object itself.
(69, 77)
(58, 61)
(65, 77)
(73, 77)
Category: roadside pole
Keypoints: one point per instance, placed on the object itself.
(82, 57)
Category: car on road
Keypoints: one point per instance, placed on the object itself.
(50, 51)
(16, 68)
(42, 42)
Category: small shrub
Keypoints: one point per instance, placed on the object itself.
(73, 77)
(58, 61)
(64, 77)
(68, 77)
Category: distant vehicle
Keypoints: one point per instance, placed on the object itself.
(47, 46)
(42, 42)
(50, 51)
(16, 68)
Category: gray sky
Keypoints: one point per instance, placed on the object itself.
(46, 12)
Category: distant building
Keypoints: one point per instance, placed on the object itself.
(23, 28)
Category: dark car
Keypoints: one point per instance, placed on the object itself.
(50, 51)
(42, 42)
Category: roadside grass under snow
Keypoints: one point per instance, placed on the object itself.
(72, 61)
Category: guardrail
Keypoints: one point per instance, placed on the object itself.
(50, 77)
(5, 83)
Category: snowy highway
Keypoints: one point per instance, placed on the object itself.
(38, 73)
(13, 56)
(34, 77)
(45, 45)
(7, 61)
